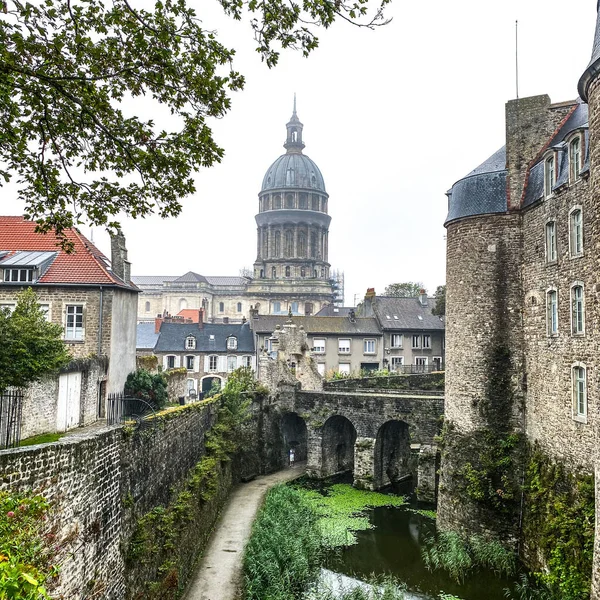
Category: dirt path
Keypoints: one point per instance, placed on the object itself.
(219, 573)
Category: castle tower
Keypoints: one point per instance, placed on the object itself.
(293, 231)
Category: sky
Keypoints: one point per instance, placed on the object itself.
(392, 117)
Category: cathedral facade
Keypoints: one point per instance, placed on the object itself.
(291, 270)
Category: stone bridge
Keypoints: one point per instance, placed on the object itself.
(382, 437)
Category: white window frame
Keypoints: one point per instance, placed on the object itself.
(416, 338)
(231, 363)
(319, 345)
(247, 362)
(213, 358)
(167, 361)
(190, 342)
(396, 361)
(575, 252)
(187, 362)
(579, 392)
(551, 313)
(344, 368)
(19, 275)
(575, 165)
(321, 369)
(344, 348)
(549, 175)
(424, 362)
(10, 305)
(46, 308)
(367, 343)
(239, 307)
(574, 313)
(438, 358)
(398, 339)
(232, 343)
(71, 333)
(551, 242)
(427, 341)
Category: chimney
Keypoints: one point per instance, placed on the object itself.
(368, 302)
(423, 297)
(225, 319)
(253, 312)
(121, 267)
(201, 315)
(157, 323)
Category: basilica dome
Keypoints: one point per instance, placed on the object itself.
(293, 170)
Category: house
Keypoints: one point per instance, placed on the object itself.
(341, 344)
(93, 299)
(208, 351)
(413, 337)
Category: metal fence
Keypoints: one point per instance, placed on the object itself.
(11, 411)
(132, 411)
(413, 369)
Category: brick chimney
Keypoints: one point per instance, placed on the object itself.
(423, 297)
(158, 323)
(121, 267)
(367, 309)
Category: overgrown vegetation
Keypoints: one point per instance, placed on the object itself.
(44, 438)
(151, 387)
(26, 551)
(284, 552)
(459, 556)
(559, 523)
(31, 346)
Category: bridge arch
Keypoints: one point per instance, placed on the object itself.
(338, 436)
(294, 434)
(392, 454)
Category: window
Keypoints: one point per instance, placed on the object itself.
(190, 342)
(344, 368)
(18, 275)
(289, 201)
(232, 343)
(287, 271)
(575, 158)
(396, 363)
(231, 363)
(273, 273)
(221, 306)
(427, 342)
(276, 307)
(45, 308)
(576, 232)
(549, 176)
(319, 345)
(313, 245)
(303, 201)
(239, 307)
(302, 272)
(170, 362)
(189, 363)
(295, 308)
(416, 341)
(74, 322)
(396, 340)
(552, 311)
(278, 201)
(577, 308)
(277, 244)
(344, 346)
(289, 243)
(147, 306)
(551, 241)
(321, 369)
(247, 362)
(302, 244)
(8, 307)
(315, 202)
(213, 362)
(308, 308)
(369, 346)
(183, 304)
(579, 392)
(420, 364)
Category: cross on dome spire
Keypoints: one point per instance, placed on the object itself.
(293, 142)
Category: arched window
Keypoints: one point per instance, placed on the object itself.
(239, 307)
(289, 243)
(182, 304)
(277, 201)
(551, 253)
(549, 175)
(262, 273)
(303, 201)
(147, 306)
(315, 202)
(577, 309)
(315, 274)
(294, 135)
(313, 244)
(302, 244)
(575, 158)
(302, 272)
(189, 363)
(232, 343)
(273, 273)
(308, 308)
(265, 243)
(295, 307)
(579, 378)
(221, 307)
(289, 201)
(276, 308)
(277, 244)
(552, 311)
(287, 271)
(576, 232)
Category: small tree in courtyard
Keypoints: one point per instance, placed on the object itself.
(30, 346)
(151, 387)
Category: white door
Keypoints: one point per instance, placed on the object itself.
(69, 401)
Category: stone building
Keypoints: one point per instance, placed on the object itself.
(291, 270)
(522, 301)
(95, 302)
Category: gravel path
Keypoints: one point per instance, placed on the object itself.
(219, 573)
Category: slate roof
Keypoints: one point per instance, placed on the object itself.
(293, 170)
(334, 311)
(482, 191)
(190, 277)
(319, 325)
(594, 67)
(225, 280)
(154, 280)
(406, 314)
(146, 338)
(86, 265)
(173, 335)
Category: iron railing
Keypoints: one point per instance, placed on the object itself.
(128, 410)
(11, 412)
(414, 369)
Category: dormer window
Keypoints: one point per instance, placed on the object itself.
(190, 342)
(549, 175)
(14, 275)
(575, 158)
(232, 343)
(26, 266)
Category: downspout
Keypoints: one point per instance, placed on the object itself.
(100, 322)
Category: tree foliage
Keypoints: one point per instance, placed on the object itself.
(69, 67)
(151, 387)
(408, 289)
(440, 301)
(31, 346)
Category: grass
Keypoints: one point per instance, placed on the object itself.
(44, 438)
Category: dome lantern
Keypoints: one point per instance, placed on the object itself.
(293, 142)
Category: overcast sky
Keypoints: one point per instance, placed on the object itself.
(393, 117)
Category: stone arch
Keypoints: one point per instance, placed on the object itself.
(207, 382)
(338, 436)
(392, 454)
(294, 435)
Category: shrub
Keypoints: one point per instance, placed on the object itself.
(151, 387)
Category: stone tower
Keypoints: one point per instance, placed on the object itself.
(291, 268)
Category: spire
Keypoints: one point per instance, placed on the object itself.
(593, 69)
(293, 142)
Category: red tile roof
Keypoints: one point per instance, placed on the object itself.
(85, 265)
(190, 313)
